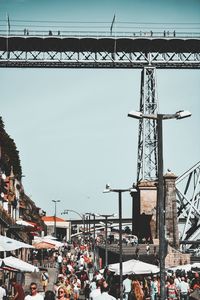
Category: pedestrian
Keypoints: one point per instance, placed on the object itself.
(87, 290)
(127, 283)
(34, 295)
(137, 250)
(104, 293)
(172, 292)
(137, 288)
(18, 290)
(2, 291)
(184, 289)
(154, 288)
(76, 286)
(59, 261)
(44, 279)
(49, 295)
(61, 293)
(6, 289)
(96, 291)
(148, 249)
(68, 289)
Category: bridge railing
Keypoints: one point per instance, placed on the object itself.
(99, 34)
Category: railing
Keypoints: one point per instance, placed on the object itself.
(100, 34)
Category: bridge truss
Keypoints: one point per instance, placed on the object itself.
(88, 52)
(188, 203)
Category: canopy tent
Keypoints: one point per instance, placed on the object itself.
(19, 264)
(50, 237)
(8, 244)
(196, 266)
(3, 267)
(24, 223)
(48, 241)
(44, 245)
(133, 267)
(186, 268)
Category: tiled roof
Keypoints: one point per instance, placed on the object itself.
(52, 218)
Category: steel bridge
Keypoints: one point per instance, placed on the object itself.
(146, 50)
(99, 50)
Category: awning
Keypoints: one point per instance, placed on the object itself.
(56, 244)
(24, 223)
(6, 268)
(19, 264)
(44, 245)
(134, 267)
(8, 244)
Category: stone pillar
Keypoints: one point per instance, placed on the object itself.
(171, 221)
(148, 205)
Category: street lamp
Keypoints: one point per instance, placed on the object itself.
(119, 191)
(93, 215)
(55, 202)
(106, 235)
(82, 216)
(94, 234)
(89, 214)
(160, 195)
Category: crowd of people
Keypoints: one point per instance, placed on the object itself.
(78, 278)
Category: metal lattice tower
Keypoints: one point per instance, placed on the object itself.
(147, 162)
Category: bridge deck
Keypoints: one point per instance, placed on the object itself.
(102, 44)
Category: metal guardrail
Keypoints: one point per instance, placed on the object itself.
(100, 34)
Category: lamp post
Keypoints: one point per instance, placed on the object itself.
(106, 235)
(119, 191)
(82, 216)
(55, 202)
(93, 215)
(89, 214)
(160, 194)
(94, 232)
(94, 243)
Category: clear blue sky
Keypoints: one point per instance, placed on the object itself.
(71, 126)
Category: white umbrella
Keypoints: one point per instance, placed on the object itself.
(8, 244)
(46, 240)
(185, 268)
(19, 264)
(196, 265)
(25, 223)
(50, 237)
(134, 267)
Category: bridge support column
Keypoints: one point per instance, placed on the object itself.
(171, 220)
(147, 161)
